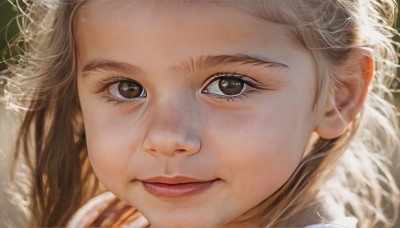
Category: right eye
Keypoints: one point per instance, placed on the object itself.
(127, 90)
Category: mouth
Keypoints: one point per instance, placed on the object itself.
(176, 187)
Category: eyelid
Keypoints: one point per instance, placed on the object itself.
(102, 85)
(248, 80)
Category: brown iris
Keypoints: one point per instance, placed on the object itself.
(231, 86)
(129, 89)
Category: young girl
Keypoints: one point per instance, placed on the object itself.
(207, 113)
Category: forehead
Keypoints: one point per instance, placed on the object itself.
(105, 11)
(240, 21)
(273, 10)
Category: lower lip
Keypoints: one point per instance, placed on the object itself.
(176, 190)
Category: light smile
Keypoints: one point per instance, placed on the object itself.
(176, 187)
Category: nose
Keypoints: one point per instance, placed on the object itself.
(173, 129)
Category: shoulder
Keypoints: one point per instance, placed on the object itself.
(106, 210)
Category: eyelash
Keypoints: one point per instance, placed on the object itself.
(105, 85)
(229, 75)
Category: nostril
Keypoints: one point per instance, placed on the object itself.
(151, 151)
(170, 141)
(170, 151)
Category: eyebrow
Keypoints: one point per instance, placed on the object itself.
(204, 62)
(109, 65)
(192, 65)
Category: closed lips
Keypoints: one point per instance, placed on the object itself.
(176, 187)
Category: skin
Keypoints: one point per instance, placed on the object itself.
(251, 144)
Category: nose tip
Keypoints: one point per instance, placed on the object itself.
(170, 145)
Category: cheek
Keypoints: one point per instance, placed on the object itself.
(111, 140)
(261, 149)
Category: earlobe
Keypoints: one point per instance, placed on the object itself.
(351, 81)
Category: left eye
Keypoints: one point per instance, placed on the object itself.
(227, 86)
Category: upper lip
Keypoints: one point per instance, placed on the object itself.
(173, 180)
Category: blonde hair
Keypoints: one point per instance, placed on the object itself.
(52, 139)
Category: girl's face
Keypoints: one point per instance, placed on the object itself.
(194, 112)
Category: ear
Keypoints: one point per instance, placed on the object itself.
(351, 81)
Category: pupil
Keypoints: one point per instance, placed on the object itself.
(129, 89)
(231, 86)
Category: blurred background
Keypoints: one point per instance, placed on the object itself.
(8, 123)
(10, 216)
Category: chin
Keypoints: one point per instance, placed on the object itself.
(174, 222)
(182, 221)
